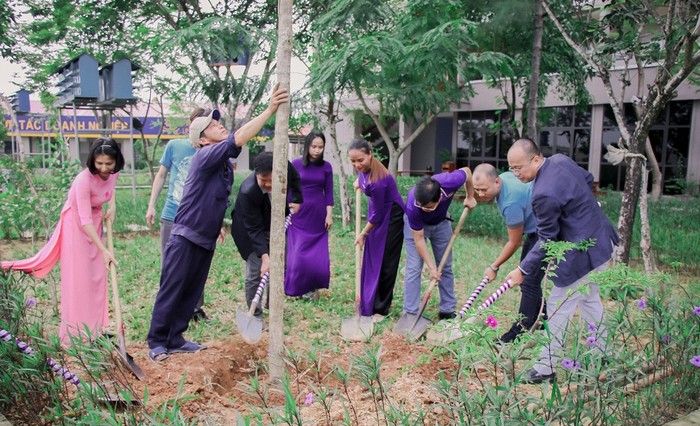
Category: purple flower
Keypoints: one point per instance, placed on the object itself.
(491, 322)
(641, 303)
(666, 339)
(592, 327)
(567, 363)
(696, 310)
(590, 341)
(309, 399)
(695, 360)
(577, 364)
(31, 302)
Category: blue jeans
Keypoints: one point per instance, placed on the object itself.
(439, 236)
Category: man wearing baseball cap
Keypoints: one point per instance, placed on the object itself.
(190, 248)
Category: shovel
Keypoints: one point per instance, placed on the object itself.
(414, 325)
(249, 326)
(127, 359)
(453, 333)
(357, 328)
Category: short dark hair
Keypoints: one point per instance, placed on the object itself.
(307, 143)
(105, 146)
(263, 163)
(427, 190)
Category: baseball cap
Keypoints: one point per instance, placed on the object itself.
(198, 125)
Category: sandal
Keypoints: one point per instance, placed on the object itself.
(187, 348)
(158, 354)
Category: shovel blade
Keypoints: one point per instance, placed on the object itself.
(417, 328)
(130, 364)
(357, 328)
(249, 326)
(444, 336)
(405, 323)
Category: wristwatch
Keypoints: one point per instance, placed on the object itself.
(493, 269)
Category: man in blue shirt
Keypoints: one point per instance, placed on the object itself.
(513, 200)
(175, 162)
(426, 217)
(190, 248)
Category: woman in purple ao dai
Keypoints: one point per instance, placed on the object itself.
(308, 263)
(382, 236)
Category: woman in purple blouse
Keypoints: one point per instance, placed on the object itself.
(382, 236)
(308, 264)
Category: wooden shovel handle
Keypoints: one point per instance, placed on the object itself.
(358, 250)
(115, 288)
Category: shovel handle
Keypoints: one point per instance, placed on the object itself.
(473, 297)
(496, 294)
(27, 350)
(115, 289)
(445, 255)
(258, 293)
(358, 250)
(265, 278)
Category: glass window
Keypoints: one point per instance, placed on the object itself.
(680, 113)
(564, 116)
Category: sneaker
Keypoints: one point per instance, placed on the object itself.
(447, 315)
(312, 295)
(532, 377)
(200, 315)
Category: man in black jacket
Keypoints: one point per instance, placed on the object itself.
(251, 218)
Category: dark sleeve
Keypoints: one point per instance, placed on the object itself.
(328, 191)
(294, 185)
(254, 223)
(213, 156)
(547, 211)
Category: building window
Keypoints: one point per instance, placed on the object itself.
(669, 136)
(566, 130)
(483, 137)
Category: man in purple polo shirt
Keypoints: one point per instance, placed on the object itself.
(190, 248)
(426, 217)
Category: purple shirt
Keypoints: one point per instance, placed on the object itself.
(450, 183)
(382, 194)
(205, 197)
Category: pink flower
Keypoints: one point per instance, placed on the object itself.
(309, 399)
(491, 322)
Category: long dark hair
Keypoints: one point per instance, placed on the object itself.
(108, 147)
(305, 160)
(377, 171)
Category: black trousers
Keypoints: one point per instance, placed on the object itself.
(390, 262)
(531, 295)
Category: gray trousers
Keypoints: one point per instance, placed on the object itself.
(166, 227)
(561, 305)
(252, 281)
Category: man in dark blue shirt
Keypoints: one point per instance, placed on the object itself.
(190, 248)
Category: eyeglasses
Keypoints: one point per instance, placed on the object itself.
(430, 209)
(518, 169)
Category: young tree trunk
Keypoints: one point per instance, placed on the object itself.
(334, 147)
(531, 130)
(655, 172)
(645, 241)
(279, 196)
